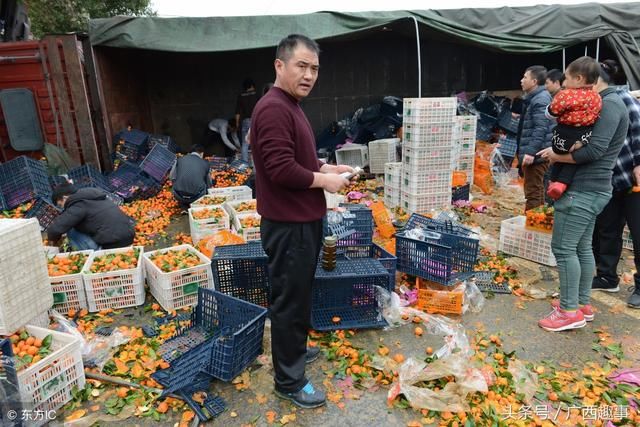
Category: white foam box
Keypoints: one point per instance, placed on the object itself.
(177, 289)
(68, 290)
(46, 385)
(517, 240)
(114, 289)
(25, 291)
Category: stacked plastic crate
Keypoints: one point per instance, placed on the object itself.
(381, 152)
(392, 183)
(467, 143)
(429, 132)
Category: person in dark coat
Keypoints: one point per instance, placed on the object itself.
(190, 176)
(89, 219)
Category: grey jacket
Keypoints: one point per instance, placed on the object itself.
(535, 128)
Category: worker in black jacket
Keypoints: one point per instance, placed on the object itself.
(190, 176)
(90, 220)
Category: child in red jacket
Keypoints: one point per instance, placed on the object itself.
(576, 108)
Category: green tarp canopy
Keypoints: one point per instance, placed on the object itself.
(522, 30)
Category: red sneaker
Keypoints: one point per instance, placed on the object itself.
(560, 320)
(556, 189)
(587, 310)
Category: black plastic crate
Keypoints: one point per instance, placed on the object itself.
(56, 180)
(353, 227)
(484, 128)
(440, 226)
(349, 293)
(88, 176)
(141, 188)
(388, 261)
(164, 140)
(125, 174)
(132, 144)
(508, 146)
(443, 258)
(507, 122)
(158, 163)
(9, 388)
(44, 211)
(23, 179)
(3, 204)
(242, 271)
(484, 282)
(460, 193)
(214, 405)
(239, 166)
(218, 163)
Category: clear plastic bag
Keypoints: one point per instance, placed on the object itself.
(453, 397)
(525, 380)
(500, 169)
(96, 349)
(473, 299)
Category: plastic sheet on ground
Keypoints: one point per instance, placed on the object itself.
(473, 299)
(96, 350)
(526, 381)
(453, 397)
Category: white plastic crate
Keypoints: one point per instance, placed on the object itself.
(24, 283)
(248, 233)
(468, 125)
(382, 151)
(114, 289)
(240, 192)
(429, 135)
(627, 243)
(177, 289)
(41, 320)
(353, 155)
(426, 182)
(419, 203)
(391, 196)
(246, 206)
(211, 200)
(393, 168)
(429, 110)
(465, 163)
(334, 199)
(68, 290)
(46, 385)
(517, 240)
(467, 146)
(204, 227)
(419, 160)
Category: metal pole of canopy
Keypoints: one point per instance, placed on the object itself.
(415, 21)
(598, 49)
(564, 60)
(585, 50)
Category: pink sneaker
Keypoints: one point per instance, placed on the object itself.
(587, 310)
(560, 320)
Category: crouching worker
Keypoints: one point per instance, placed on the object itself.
(190, 177)
(90, 220)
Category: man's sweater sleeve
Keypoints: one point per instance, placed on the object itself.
(278, 150)
(603, 132)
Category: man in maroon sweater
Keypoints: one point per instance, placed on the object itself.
(289, 188)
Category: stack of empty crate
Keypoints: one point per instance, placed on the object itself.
(381, 152)
(467, 144)
(429, 130)
(392, 183)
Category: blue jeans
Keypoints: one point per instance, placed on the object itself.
(245, 126)
(80, 241)
(573, 223)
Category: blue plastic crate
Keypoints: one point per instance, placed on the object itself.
(23, 179)
(141, 187)
(158, 163)
(484, 128)
(507, 122)
(44, 211)
(242, 271)
(56, 180)
(214, 405)
(460, 193)
(3, 204)
(164, 140)
(9, 388)
(443, 258)
(125, 174)
(218, 163)
(353, 226)
(440, 226)
(508, 146)
(348, 292)
(388, 261)
(88, 176)
(239, 166)
(132, 144)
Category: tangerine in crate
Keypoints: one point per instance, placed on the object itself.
(63, 265)
(436, 298)
(540, 219)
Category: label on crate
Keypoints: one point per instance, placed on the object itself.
(54, 385)
(114, 292)
(190, 288)
(59, 297)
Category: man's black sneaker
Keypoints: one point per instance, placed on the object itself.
(308, 397)
(634, 299)
(312, 355)
(601, 284)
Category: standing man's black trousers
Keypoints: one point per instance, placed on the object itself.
(293, 250)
